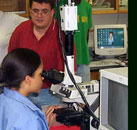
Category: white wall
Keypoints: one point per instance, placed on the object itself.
(8, 22)
(107, 19)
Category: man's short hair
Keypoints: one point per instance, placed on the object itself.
(51, 2)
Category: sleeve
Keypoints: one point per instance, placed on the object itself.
(14, 40)
(35, 125)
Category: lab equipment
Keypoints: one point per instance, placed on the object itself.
(69, 89)
(53, 76)
(114, 99)
(101, 40)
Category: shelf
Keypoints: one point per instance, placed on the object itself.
(111, 8)
(19, 7)
(108, 7)
(104, 11)
(100, 9)
(123, 9)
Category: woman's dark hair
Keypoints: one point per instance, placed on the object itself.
(16, 65)
(51, 2)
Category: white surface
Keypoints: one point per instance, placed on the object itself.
(119, 75)
(8, 22)
(106, 63)
(120, 78)
(68, 18)
(112, 50)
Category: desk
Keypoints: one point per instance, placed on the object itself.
(94, 75)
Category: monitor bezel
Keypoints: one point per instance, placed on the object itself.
(110, 51)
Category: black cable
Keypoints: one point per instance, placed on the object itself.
(70, 74)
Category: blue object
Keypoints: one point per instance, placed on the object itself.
(44, 98)
(17, 112)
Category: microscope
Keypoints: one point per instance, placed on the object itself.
(82, 99)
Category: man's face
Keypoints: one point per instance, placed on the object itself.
(41, 14)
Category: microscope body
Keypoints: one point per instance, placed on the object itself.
(66, 89)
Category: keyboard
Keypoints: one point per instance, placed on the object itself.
(106, 63)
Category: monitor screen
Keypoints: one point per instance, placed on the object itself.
(110, 39)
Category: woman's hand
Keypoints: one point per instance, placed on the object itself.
(50, 115)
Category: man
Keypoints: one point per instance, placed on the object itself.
(81, 38)
(40, 34)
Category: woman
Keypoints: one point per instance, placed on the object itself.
(20, 74)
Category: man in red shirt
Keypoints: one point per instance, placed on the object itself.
(40, 34)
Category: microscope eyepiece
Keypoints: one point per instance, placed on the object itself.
(54, 76)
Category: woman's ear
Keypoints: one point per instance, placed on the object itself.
(28, 80)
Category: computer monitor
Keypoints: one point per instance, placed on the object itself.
(110, 40)
(114, 99)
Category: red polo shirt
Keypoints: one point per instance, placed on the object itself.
(48, 47)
